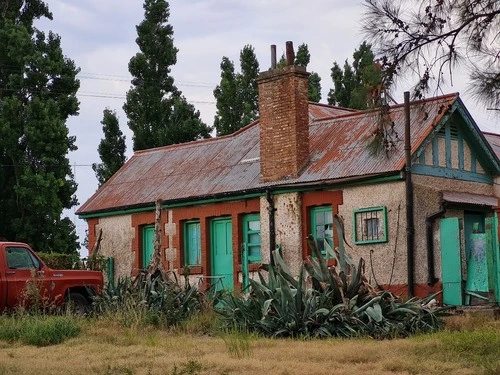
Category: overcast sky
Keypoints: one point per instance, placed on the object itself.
(99, 35)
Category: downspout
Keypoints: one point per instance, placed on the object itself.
(429, 224)
(272, 226)
(410, 228)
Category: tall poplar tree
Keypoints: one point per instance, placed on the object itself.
(247, 81)
(355, 85)
(38, 88)
(111, 148)
(228, 102)
(302, 58)
(237, 95)
(158, 113)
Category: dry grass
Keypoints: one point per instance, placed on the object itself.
(105, 348)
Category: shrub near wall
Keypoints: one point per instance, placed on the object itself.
(59, 261)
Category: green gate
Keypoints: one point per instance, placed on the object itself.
(222, 253)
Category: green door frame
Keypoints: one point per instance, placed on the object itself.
(148, 235)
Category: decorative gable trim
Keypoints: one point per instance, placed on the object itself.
(456, 149)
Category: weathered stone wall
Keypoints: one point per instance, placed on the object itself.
(117, 235)
(288, 224)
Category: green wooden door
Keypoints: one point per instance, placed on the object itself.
(148, 235)
(222, 253)
(495, 268)
(451, 261)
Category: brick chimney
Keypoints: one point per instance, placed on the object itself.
(284, 119)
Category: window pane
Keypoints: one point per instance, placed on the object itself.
(254, 252)
(254, 225)
(254, 238)
(320, 218)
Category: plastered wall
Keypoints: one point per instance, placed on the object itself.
(381, 259)
(117, 236)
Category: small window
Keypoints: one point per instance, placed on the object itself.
(370, 225)
(21, 259)
(192, 243)
(322, 227)
(251, 237)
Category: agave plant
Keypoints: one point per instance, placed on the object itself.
(323, 301)
(150, 301)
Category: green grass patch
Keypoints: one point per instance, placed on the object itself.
(38, 330)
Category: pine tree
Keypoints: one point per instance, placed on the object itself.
(111, 148)
(433, 40)
(354, 86)
(158, 113)
(38, 88)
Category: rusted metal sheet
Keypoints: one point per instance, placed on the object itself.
(468, 198)
(494, 141)
(339, 140)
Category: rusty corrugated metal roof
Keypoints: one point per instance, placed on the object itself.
(494, 141)
(338, 143)
(468, 198)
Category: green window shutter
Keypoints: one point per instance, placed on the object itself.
(192, 243)
(322, 227)
(251, 237)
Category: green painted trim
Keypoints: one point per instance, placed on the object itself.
(186, 232)
(246, 232)
(473, 162)
(213, 200)
(325, 209)
(435, 152)
(460, 152)
(451, 173)
(448, 144)
(383, 209)
(118, 212)
(421, 158)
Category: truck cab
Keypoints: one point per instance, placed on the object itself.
(25, 279)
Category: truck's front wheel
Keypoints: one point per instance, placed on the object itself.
(77, 304)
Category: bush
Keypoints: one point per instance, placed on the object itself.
(59, 261)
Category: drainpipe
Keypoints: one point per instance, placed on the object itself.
(272, 226)
(410, 229)
(429, 224)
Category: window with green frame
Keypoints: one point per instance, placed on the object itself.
(251, 237)
(322, 227)
(192, 243)
(370, 225)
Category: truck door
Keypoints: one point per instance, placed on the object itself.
(22, 266)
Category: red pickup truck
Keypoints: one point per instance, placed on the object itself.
(19, 266)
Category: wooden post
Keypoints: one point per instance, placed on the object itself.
(156, 264)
